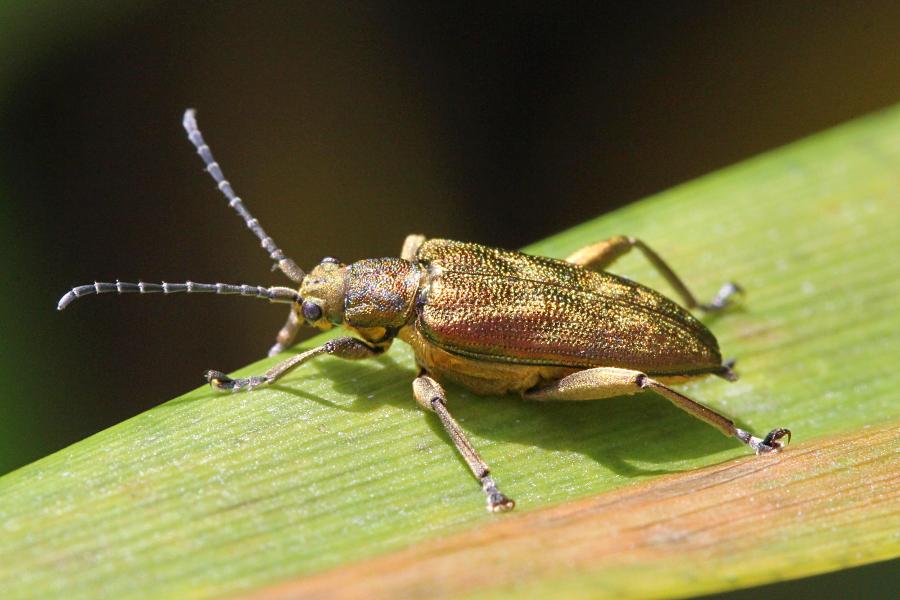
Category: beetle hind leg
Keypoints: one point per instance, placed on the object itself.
(599, 256)
(608, 382)
(431, 396)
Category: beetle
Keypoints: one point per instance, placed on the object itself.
(490, 320)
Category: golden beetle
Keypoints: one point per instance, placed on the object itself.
(491, 320)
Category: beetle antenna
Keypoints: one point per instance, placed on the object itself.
(287, 265)
(273, 294)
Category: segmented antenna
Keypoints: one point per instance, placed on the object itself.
(287, 265)
(273, 294)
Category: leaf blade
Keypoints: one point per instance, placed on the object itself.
(727, 520)
(208, 495)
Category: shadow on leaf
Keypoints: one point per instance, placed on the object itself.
(615, 432)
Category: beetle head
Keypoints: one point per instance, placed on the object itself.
(322, 294)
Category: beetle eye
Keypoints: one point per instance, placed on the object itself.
(311, 311)
(331, 259)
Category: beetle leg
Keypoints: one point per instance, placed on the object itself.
(343, 347)
(431, 396)
(608, 382)
(411, 246)
(601, 255)
(287, 333)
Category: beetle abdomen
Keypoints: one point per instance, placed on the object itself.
(505, 306)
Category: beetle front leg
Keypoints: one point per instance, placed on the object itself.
(343, 347)
(411, 246)
(601, 255)
(608, 382)
(287, 334)
(431, 396)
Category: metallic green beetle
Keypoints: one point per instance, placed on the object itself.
(490, 320)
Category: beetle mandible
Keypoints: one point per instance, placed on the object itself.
(493, 321)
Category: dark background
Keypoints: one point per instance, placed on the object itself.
(344, 128)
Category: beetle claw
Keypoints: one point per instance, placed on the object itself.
(723, 298)
(497, 501)
(219, 380)
(767, 445)
(776, 434)
(500, 503)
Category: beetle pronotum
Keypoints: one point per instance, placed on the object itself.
(491, 320)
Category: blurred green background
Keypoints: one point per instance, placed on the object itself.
(344, 128)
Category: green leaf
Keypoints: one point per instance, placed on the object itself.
(209, 495)
(698, 531)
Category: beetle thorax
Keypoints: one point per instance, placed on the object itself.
(381, 292)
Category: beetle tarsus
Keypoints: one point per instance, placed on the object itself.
(496, 500)
(768, 445)
(727, 372)
(723, 297)
(775, 435)
(220, 381)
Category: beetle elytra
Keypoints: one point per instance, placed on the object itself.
(491, 320)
